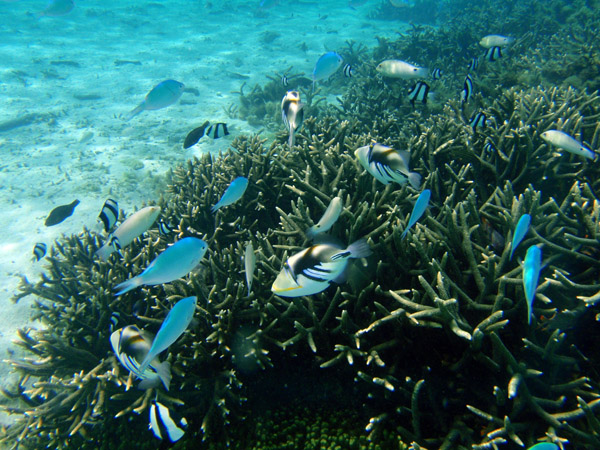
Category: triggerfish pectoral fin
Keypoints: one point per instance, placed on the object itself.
(531, 273)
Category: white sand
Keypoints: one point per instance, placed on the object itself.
(83, 149)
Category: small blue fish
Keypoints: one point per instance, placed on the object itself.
(175, 262)
(544, 446)
(531, 274)
(232, 194)
(172, 327)
(162, 95)
(418, 210)
(326, 66)
(520, 232)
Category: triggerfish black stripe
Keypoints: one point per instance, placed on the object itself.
(109, 214)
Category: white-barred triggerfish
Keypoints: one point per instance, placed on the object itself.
(312, 270)
(387, 164)
(292, 113)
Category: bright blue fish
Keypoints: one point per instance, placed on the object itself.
(544, 446)
(162, 95)
(326, 66)
(531, 274)
(232, 194)
(520, 232)
(418, 210)
(172, 327)
(175, 262)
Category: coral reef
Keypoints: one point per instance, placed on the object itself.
(427, 343)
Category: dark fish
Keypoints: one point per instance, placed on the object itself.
(195, 135)
(166, 424)
(348, 72)
(39, 251)
(493, 54)
(489, 149)
(164, 228)
(473, 64)
(109, 214)
(284, 81)
(114, 321)
(478, 121)
(60, 213)
(436, 74)
(217, 130)
(467, 89)
(418, 93)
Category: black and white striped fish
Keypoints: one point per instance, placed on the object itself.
(478, 120)
(284, 81)
(109, 214)
(419, 93)
(467, 89)
(436, 74)
(166, 424)
(114, 321)
(348, 71)
(217, 130)
(489, 148)
(164, 228)
(473, 64)
(493, 54)
(39, 251)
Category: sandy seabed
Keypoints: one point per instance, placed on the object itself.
(67, 82)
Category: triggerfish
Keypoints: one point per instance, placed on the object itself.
(60, 213)
(164, 424)
(134, 226)
(326, 66)
(312, 270)
(57, 8)
(172, 327)
(531, 274)
(249, 265)
(394, 68)
(495, 40)
(387, 164)
(175, 262)
(566, 142)
(331, 215)
(418, 210)
(232, 194)
(160, 96)
(131, 345)
(292, 113)
(520, 232)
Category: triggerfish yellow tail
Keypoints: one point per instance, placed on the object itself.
(531, 274)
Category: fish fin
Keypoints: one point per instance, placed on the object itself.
(135, 111)
(128, 285)
(215, 207)
(414, 179)
(291, 138)
(359, 249)
(104, 251)
(164, 372)
(149, 383)
(311, 232)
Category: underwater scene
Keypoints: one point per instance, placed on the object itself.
(279, 224)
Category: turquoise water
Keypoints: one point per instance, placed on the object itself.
(432, 340)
